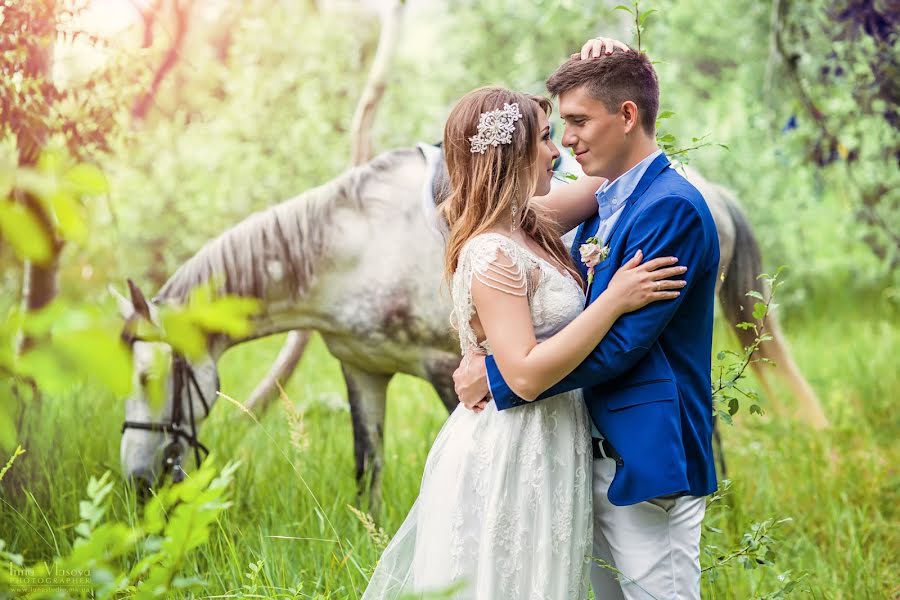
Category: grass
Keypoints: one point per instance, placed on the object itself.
(291, 533)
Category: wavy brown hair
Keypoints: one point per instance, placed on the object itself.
(483, 186)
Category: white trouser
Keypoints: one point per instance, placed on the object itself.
(654, 546)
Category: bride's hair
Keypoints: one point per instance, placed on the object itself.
(483, 186)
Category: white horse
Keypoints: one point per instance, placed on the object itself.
(360, 260)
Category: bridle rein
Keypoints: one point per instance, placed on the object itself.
(184, 381)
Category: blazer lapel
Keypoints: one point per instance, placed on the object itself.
(659, 164)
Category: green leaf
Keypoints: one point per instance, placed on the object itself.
(25, 233)
(87, 179)
(666, 114)
(183, 335)
(98, 355)
(68, 215)
(755, 294)
(644, 16)
(228, 314)
(43, 364)
(759, 310)
(625, 8)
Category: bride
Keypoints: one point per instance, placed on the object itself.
(504, 509)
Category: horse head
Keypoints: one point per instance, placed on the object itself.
(170, 397)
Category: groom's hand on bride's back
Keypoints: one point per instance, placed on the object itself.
(471, 384)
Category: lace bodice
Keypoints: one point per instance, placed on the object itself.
(555, 298)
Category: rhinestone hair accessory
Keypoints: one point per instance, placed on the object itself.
(495, 127)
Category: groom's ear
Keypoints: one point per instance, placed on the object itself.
(630, 116)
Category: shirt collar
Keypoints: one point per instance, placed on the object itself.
(612, 194)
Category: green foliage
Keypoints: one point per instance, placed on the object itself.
(840, 59)
(757, 548)
(721, 72)
(639, 18)
(186, 328)
(837, 485)
(19, 452)
(730, 370)
(61, 187)
(110, 558)
(37, 107)
(72, 340)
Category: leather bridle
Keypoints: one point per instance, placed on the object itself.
(180, 426)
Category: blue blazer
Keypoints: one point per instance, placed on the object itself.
(647, 384)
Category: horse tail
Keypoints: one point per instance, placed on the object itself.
(741, 276)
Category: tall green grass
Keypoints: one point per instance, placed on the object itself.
(291, 533)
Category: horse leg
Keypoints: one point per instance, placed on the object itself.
(281, 370)
(367, 393)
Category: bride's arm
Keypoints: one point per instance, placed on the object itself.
(530, 367)
(571, 204)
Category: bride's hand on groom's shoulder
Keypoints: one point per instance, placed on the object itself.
(636, 283)
(597, 47)
(470, 383)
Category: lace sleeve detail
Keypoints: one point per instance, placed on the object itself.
(495, 261)
(501, 272)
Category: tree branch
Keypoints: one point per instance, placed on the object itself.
(182, 18)
(361, 127)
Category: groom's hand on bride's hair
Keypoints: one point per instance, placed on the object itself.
(597, 47)
(470, 383)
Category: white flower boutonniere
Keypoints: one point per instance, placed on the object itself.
(592, 254)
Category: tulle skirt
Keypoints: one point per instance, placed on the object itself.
(504, 509)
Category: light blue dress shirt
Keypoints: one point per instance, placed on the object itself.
(611, 196)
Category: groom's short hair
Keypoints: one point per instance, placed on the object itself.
(612, 79)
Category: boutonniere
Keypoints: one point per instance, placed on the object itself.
(592, 254)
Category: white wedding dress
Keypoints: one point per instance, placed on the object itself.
(504, 510)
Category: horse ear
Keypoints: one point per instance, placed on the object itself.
(126, 308)
(138, 301)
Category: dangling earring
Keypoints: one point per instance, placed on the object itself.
(515, 206)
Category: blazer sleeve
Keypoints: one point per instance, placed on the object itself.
(669, 226)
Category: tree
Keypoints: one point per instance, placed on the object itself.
(53, 130)
(181, 13)
(27, 39)
(839, 59)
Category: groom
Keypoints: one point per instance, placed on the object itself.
(647, 384)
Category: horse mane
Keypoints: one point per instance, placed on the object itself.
(274, 252)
